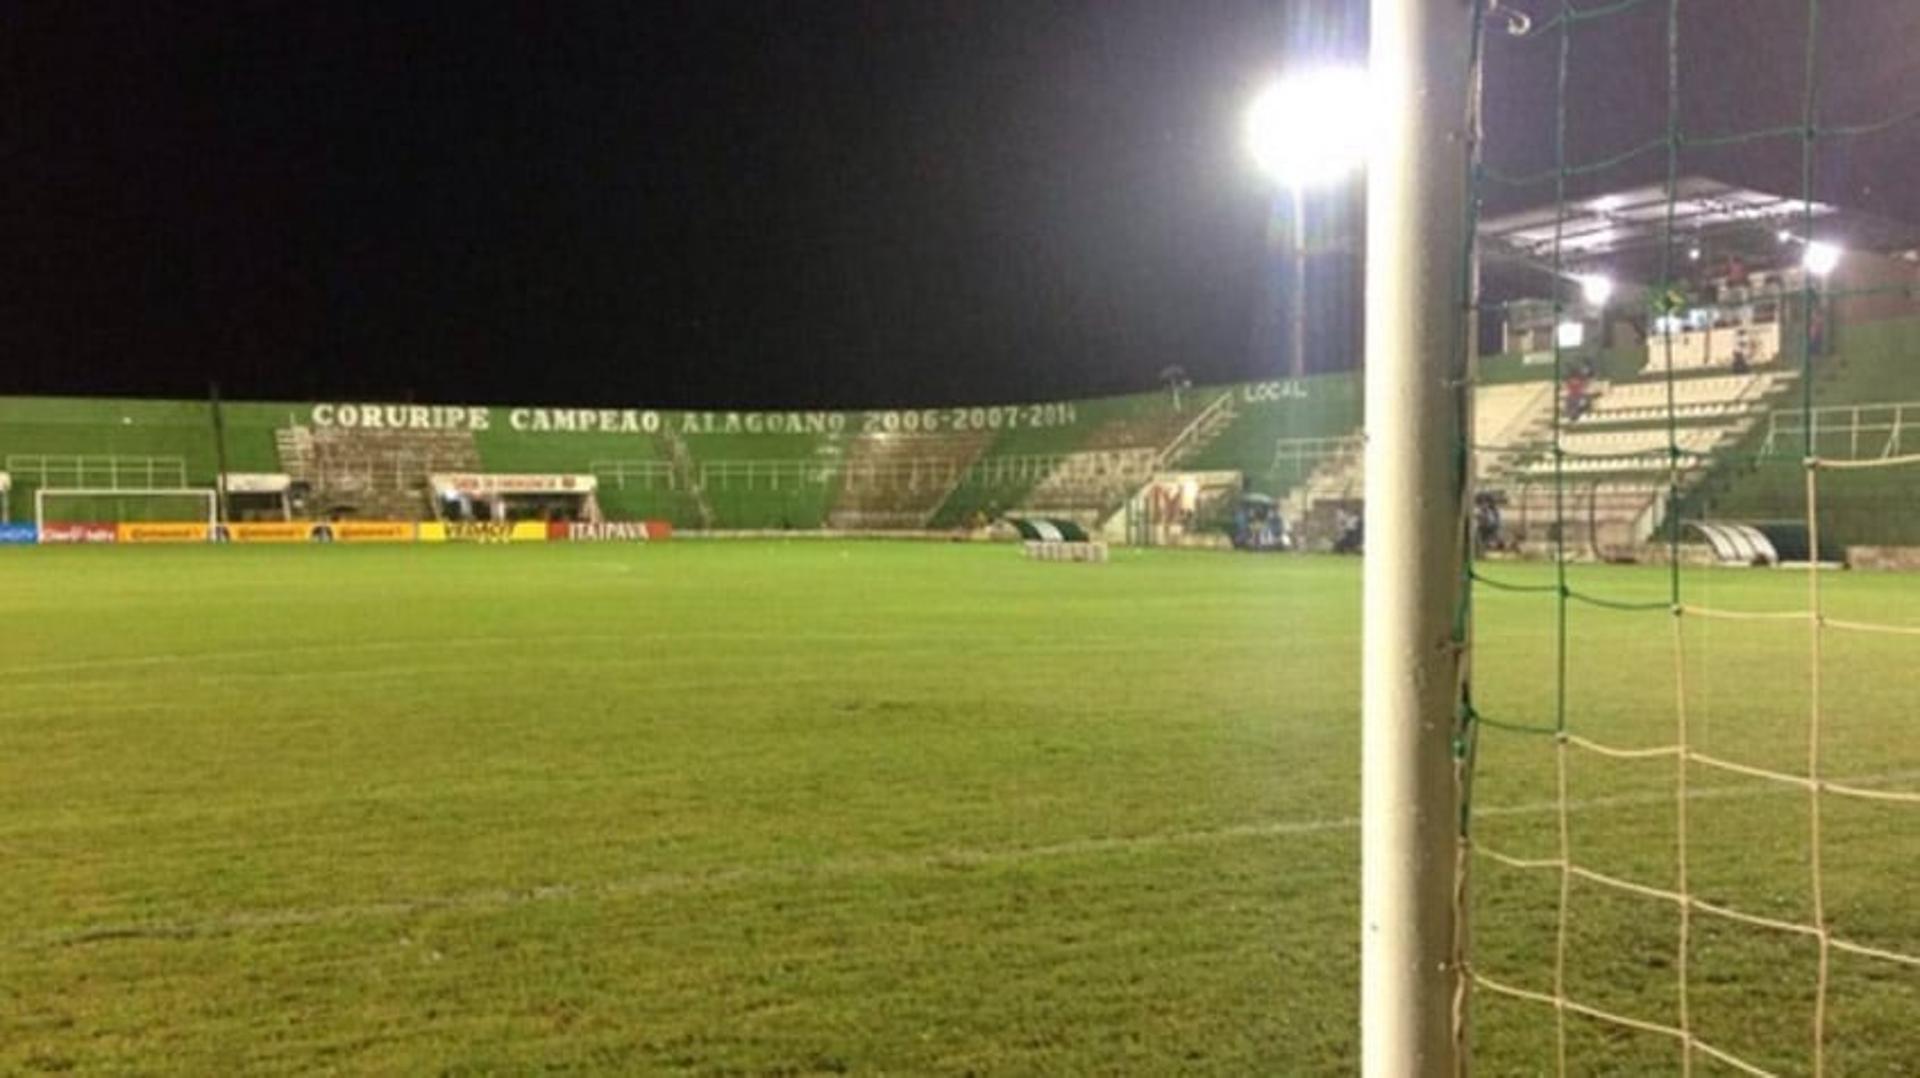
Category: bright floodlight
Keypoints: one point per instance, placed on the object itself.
(1310, 128)
(1820, 258)
(1596, 288)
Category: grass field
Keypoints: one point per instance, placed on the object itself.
(815, 807)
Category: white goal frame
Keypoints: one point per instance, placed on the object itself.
(212, 499)
(1418, 292)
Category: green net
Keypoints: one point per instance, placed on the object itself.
(1688, 791)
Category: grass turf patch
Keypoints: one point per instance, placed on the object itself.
(815, 807)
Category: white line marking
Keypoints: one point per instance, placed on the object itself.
(657, 882)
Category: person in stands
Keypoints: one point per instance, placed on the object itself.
(1575, 393)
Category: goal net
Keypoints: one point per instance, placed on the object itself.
(1690, 793)
(81, 505)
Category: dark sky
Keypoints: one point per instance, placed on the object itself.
(837, 202)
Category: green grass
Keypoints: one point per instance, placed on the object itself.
(819, 807)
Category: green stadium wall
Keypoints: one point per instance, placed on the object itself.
(545, 440)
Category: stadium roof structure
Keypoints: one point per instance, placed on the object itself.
(1623, 231)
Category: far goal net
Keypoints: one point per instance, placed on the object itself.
(83, 505)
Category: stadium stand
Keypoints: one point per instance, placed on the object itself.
(1740, 435)
(898, 481)
(1858, 391)
(1022, 454)
(1122, 454)
(372, 474)
(1614, 457)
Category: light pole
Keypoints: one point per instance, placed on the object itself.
(1306, 131)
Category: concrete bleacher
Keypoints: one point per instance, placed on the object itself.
(1086, 485)
(1616, 463)
(1631, 450)
(1712, 396)
(1507, 419)
(1123, 454)
(372, 474)
(899, 481)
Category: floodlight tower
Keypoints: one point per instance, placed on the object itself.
(1309, 131)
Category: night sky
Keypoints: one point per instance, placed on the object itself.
(717, 203)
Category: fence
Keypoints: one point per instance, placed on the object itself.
(1877, 429)
(99, 472)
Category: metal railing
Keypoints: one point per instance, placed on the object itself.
(636, 474)
(99, 471)
(910, 472)
(1870, 431)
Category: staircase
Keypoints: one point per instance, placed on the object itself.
(688, 475)
(1091, 486)
(1196, 436)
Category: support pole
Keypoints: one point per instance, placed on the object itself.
(1417, 291)
(1299, 319)
(219, 454)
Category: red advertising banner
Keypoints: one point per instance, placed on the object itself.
(611, 531)
(73, 532)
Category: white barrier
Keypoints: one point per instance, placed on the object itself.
(1061, 550)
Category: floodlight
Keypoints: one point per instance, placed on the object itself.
(1570, 334)
(1311, 128)
(1595, 288)
(1693, 254)
(1783, 236)
(1820, 258)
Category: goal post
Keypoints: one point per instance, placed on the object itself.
(1418, 291)
(102, 505)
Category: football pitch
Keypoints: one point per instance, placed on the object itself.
(813, 807)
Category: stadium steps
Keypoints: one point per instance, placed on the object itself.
(1122, 456)
(688, 474)
(1615, 467)
(899, 481)
(373, 474)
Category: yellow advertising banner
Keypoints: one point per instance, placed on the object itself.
(485, 531)
(175, 532)
(374, 531)
(288, 531)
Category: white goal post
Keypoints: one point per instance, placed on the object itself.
(1418, 291)
(201, 505)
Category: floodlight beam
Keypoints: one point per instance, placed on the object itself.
(1308, 130)
(1820, 258)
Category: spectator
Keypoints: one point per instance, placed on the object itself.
(1486, 514)
(1353, 533)
(1576, 393)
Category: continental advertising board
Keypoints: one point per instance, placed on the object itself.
(310, 531)
(175, 532)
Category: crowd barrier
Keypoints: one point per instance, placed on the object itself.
(338, 531)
